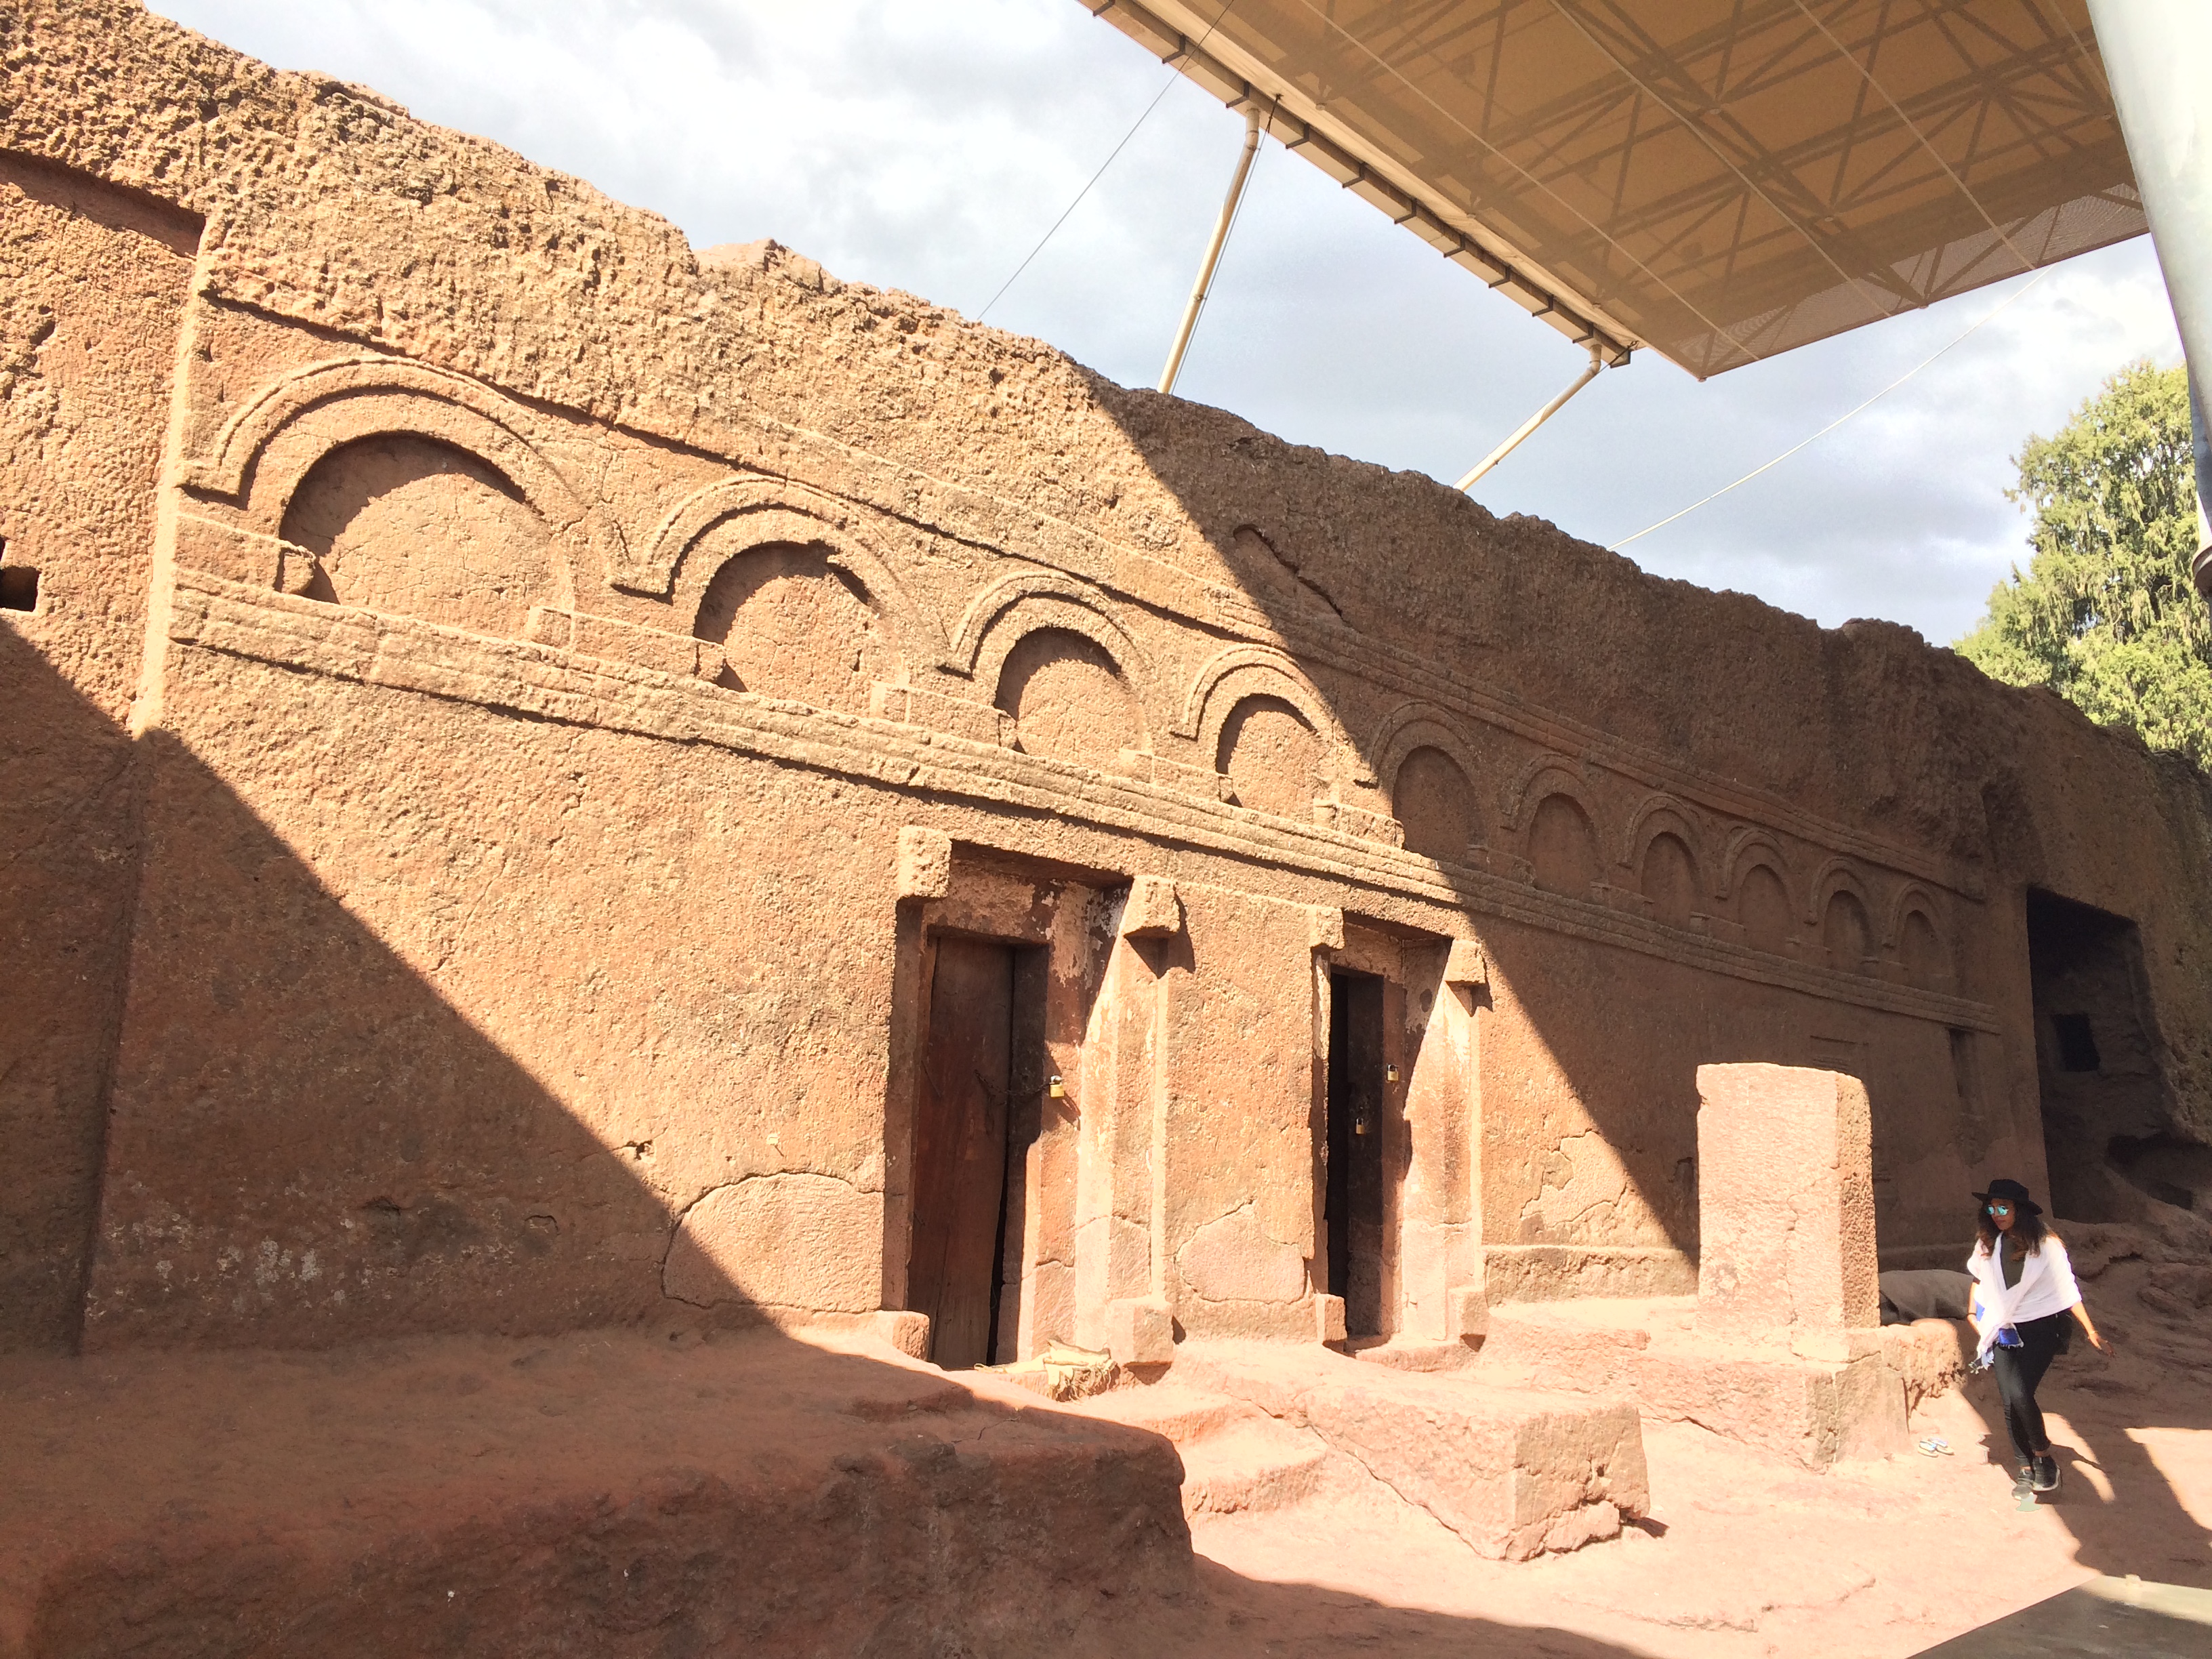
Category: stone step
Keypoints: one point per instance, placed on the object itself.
(1402, 1354)
(1251, 1467)
(1185, 1415)
(1816, 1409)
(1235, 1458)
(1514, 1473)
(1589, 1345)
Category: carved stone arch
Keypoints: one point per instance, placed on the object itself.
(1011, 609)
(1836, 875)
(1546, 776)
(1241, 672)
(767, 512)
(265, 450)
(1661, 813)
(1910, 897)
(1414, 726)
(1940, 972)
(1748, 847)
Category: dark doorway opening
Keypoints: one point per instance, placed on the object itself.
(2109, 1127)
(1352, 1209)
(972, 1088)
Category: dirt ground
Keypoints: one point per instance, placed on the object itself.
(690, 1496)
(1746, 1555)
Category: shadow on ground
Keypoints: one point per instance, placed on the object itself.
(2156, 1379)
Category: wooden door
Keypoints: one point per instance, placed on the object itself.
(960, 1149)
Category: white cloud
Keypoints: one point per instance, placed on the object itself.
(926, 145)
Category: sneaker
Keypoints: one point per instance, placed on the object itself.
(2046, 1473)
(2023, 1483)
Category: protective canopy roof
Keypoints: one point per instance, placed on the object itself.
(1718, 180)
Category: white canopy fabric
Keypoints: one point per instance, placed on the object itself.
(1718, 180)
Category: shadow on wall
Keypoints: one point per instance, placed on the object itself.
(357, 1160)
(1598, 1050)
(69, 847)
(304, 1143)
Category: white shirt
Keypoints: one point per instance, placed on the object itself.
(2046, 1286)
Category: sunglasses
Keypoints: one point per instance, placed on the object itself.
(2000, 1209)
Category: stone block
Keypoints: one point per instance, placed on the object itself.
(1815, 1413)
(1358, 822)
(239, 555)
(549, 625)
(1514, 1475)
(1470, 1312)
(785, 1239)
(1565, 1344)
(1234, 1258)
(1548, 1272)
(1928, 1356)
(1328, 1318)
(824, 1495)
(978, 722)
(1465, 966)
(1325, 927)
(1785, 1208)
(296, 570)
(905, 1330)
(1202, 782)
(1140, 1331)
(924, 863)
(616, 641)
(1153, 910)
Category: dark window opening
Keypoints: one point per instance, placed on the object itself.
(2077, 1043)
(19, 584)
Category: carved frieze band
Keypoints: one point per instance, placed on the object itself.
(256, 622)
(809, 463)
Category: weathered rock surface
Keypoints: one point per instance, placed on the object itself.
(615, 1495)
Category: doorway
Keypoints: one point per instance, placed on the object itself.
(956, 1256)
(1352, 1202)
(2111, 1121)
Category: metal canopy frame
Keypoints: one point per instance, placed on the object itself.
(1718, 180)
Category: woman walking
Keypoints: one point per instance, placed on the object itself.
(2024, 1294)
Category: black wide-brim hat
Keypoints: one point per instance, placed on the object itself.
(2014, 1194)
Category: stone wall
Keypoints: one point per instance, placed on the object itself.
(551, 639)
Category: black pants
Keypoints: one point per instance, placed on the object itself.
(2019, 1370)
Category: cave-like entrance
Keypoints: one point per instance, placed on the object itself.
(2111, 1132)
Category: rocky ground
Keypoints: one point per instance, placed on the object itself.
(609, 1494)
(1746, 1555)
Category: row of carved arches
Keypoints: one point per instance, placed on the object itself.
(1665, 860)
(1745, 888)
(413, 491)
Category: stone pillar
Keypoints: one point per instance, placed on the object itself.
(1785, 1209)
(1120, 1096)
(1439, 1249)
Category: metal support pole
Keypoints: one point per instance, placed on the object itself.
(1214, 248)
(2157, 56)
(1596, 363)
(2200, 434)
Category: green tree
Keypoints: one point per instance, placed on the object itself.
(2107, 615)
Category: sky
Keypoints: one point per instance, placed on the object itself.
(928, 145)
